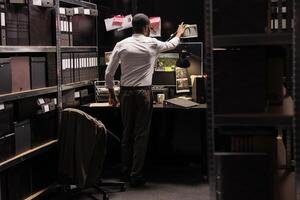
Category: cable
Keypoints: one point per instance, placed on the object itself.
(172, 35)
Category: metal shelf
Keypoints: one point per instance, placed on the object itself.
(253, 39)
(80, 3)
(27, 49)
(77, 85)
(27, 94)
(27, 155)
(78, 49)
(276, 116)
(42, 91)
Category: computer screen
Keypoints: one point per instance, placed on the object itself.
(164, 71)
(164, 78)
(166, 62)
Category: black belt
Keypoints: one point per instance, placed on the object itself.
(136, 87)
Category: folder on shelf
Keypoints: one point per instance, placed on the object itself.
(6, 118)
(38, 72)
(17, 32)
(84, 32)
(76, 68)
(94, 65)
(5, 76)
(20, 69)
(71, 65)
(23, 26)
(23, 136)
(70, 13)
(11, 25)
(66, 74)
(81, 67)
(42, 23)
(51, 70)
(3, 24)
(68, 98)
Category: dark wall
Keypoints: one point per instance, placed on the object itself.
(172, 13)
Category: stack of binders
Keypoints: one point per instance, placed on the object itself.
(67, 68)
(69, 14)
(280, 15)
(64, 28)
(23, 73)
(17, 26)
(79, 67)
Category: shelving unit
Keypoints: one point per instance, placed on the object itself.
(253, 39)
(280, 117)
(296, 121)
(50, 147)
(43, 91)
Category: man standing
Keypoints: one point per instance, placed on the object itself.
(137, 54)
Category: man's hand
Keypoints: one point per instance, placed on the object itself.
(112, 100)
(180, 30)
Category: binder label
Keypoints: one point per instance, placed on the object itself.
(41, 101)
(77, 94)
(87, 12)
(2, 107)
(2, 19)
(37, 2)
(70, 26)
(62, 11)
(46, 108)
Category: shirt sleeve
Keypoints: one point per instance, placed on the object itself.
(169, 45)
(112, 67)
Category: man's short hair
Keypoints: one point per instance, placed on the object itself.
(139, 22)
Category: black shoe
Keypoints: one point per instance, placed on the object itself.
(137, 181)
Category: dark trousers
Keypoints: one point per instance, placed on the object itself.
(136, 111)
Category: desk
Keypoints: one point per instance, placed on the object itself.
(177, 134)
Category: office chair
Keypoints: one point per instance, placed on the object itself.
(82, 153)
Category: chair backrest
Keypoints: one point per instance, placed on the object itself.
(82, 148)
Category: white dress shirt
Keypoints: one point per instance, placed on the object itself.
(137, 55)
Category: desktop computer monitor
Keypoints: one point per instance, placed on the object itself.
(164, 72)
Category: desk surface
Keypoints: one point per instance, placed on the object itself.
(155, 106)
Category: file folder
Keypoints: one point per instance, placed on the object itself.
(5, 76)
(3, 24)
(23, 136)
(42, 24)
(38, 72)
(20, 74)
(51, 70)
